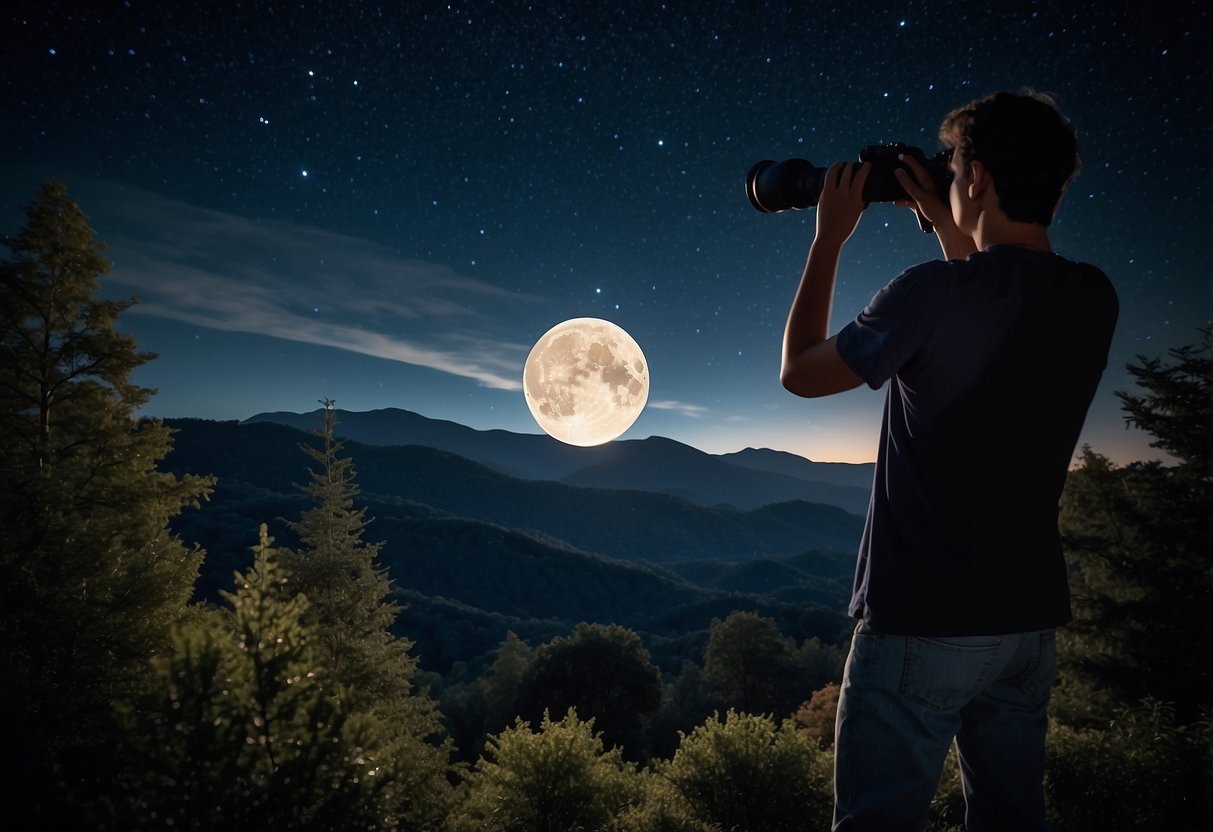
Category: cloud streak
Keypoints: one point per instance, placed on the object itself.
(694, 411)
(305, 284)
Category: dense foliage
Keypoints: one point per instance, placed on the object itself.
(328, 685)
(91, 578)
(1133, 703)
(742, 771)
(554, 778)
(246, 730)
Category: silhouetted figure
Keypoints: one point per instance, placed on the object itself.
(992, 358)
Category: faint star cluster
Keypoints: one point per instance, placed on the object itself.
(505, 166)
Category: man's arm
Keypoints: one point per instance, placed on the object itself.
(811, 364)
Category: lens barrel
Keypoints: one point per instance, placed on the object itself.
(794, 184)
(789, 185)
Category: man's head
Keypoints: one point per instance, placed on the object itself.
(1025, 144)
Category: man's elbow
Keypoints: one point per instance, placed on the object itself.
(800, 384)
(812, 379)
(816, 371)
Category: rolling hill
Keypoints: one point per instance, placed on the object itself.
(747, 479)
(475, 553)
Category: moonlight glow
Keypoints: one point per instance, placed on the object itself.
(585, 381)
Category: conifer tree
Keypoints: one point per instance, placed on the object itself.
(1133, 728)
(246, 730)
(350, 608)
(91, 579)
(1141, 547)
(336, 569)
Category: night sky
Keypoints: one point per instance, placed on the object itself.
(387, 204)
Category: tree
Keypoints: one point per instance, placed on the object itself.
(1132, 708)
(605, 673)
(743, 772)
(552, 779)
(749, 664)
(336, 569)
(91, 579)
(685, 703)
(1139, 542)
(347, 592)
(247, 730)
(1176, 406)
(818, 714)
(500, 686)
(817, 664)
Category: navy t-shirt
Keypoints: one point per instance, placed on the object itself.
(991, 364)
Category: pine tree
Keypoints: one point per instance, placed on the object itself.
(350, 608)
(1132, 729)
(1139, 541)
(246, 730)
(336, 569)
(91, 579)
(1177, 406)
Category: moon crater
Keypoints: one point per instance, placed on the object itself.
(585, 381)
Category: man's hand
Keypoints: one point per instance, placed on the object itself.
(926, 201)
(841, 202)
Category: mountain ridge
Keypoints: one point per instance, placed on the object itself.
(624, 523)
(745, 479)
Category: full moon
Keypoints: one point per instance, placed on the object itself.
(585, 381)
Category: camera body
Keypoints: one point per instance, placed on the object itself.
(794, 184)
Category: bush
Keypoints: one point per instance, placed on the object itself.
(1141, 771)
(555, 779)
(747, 774)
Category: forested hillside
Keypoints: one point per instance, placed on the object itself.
(747, 479)
(634, 525)
(478, 580)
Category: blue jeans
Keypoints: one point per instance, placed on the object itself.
(903, 701)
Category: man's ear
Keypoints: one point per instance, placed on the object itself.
(979, 180)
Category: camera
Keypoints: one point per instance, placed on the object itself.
(794, 184)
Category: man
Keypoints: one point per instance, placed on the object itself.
(992, 358)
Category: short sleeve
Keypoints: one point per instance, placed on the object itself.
(888, 332)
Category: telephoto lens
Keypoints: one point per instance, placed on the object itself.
(794, 184)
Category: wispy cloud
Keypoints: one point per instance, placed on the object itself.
(692, 410)
(305, 284)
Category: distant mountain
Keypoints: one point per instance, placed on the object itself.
(628, 524)
(669, 467)
(529, 456)
(748, 479)
(857, 475)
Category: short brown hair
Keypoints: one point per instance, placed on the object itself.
(1027, 145)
